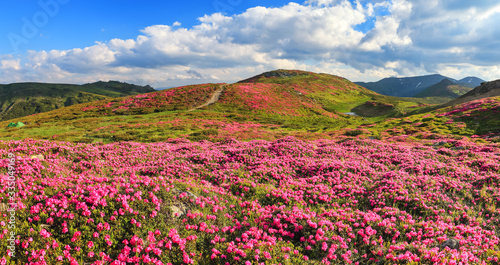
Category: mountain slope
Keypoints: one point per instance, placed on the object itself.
(23, 99)
(470, 81)
(479, 117)
(485, 90)
(291, 92)
(446, 88)
(412, 86)
(403, 87)
(284, 92)
(475, 114)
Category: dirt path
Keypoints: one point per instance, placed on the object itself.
(215, 97)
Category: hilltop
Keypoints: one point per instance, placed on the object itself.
(329, 93)
(23, 99)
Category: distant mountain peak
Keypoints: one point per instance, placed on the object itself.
(403, 86)
(413, 86)
(471, 80)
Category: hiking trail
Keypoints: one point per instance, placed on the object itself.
(215, 97)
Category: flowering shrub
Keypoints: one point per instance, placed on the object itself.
(270, 98)
(169, 99)
(474, 108)
(286, 201)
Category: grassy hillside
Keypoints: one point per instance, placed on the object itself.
(148, 117)
(336, 94)
(479, 119)
(23, 99)
(269, 106)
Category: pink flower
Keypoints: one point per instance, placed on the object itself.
(44, 233)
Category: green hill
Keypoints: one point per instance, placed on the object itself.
(330, 93)
(23, 99)
(475, 114)
(445, 88)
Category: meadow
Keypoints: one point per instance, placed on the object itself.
(288, 201)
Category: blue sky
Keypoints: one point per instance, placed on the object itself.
(169, 43)
(80, 23)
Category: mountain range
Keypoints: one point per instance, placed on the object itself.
(23, 99)
(412, 86)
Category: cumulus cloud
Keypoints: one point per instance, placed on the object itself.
(405, 37)
(453, 32)
(87, 60)
(14, 64)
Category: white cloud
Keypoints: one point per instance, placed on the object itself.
(87, 60)
(14, 64)
(412, 37)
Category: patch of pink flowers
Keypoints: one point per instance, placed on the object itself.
(286, 201)
(185, 97)
(474, 108)
(275, 98)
